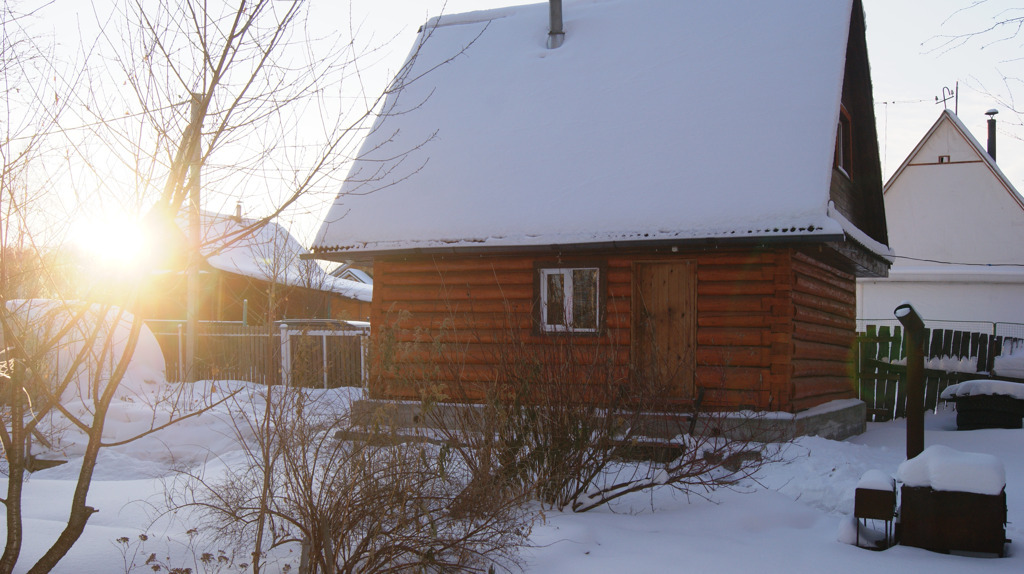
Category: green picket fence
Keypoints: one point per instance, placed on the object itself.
(880, 361)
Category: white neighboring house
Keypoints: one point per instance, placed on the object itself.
(956, 225)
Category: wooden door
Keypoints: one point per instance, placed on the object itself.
(664, 325)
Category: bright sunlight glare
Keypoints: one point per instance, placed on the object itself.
(116, 242)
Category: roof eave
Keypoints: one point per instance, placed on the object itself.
(702, 243)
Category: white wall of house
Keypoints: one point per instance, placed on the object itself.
(970, 298)
(957, 228)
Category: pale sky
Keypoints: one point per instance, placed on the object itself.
(909, 68)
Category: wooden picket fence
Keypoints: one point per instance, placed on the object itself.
(882, 384)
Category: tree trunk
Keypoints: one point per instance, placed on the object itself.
(15, 486)
(80, 512)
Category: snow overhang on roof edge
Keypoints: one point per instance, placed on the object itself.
(854, 233)
(823, 231)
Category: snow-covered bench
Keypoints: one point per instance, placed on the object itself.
(987, 403)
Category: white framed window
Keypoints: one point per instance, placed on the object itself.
(569, 299)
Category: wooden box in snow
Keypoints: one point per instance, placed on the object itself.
(987, 404)
(953, 501)
(946, 521)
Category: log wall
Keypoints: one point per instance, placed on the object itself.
(774, 327)
(824, 331)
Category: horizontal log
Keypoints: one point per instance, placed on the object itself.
(744, 304)
(433, 263)
(622, 302)
(464, 321)
(823, 287)
(420, 373)
(735, 399)
(819, 386)
(735, 320)
(737, 257)
(396, 308)
(820, 368)
(730, 377)
(400, 294)
(803, 314)
(839, 308)
(809, 350)
(619, 276)
(619, 291)
(731, 336)
(451, 278)
(805, 264)
(734, 274)
(577, 351)
(610, 338)
(733, 356)
(710, 288)
(823, 334)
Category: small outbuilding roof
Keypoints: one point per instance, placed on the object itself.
(655, 120)
(270, 253)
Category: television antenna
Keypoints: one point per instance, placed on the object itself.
(948, 94)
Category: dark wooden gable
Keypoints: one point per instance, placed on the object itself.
(857, 189)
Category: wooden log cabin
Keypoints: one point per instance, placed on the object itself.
(687, 187)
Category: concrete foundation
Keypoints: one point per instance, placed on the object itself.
(834, 420)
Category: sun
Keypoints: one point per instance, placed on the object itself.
(114, 242)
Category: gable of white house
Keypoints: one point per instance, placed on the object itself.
(955, 224)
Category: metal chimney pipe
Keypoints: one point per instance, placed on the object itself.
(913, 327)
(992, 132)
(556, 33)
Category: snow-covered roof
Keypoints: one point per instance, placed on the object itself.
(270, 253)
(655, 120)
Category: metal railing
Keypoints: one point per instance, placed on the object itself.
(307, 353)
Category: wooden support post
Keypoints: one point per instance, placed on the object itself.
(914, 327)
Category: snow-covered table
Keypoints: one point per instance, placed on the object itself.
(987, 403)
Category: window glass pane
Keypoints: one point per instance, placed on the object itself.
(584, 298)
(554, 314)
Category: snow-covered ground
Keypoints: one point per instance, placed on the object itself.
(790, 520)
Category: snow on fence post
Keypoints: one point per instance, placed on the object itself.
(286, 356)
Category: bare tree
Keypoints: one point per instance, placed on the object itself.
(65, 365)
(280, 111)
(245, 93)
(1001, 28)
